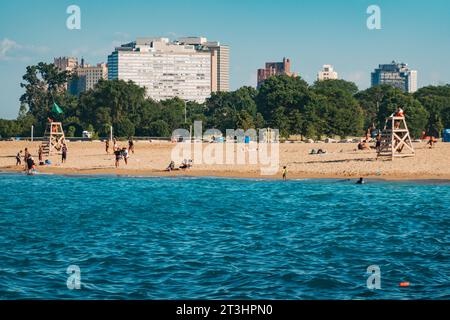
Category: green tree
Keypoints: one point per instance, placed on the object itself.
(288, 92)
(124, 128)
(324, 87)
(159, 128)
(44, 84)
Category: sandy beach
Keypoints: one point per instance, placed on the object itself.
(151, 158)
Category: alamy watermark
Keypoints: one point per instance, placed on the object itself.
(74, 278)
(374, 20)
(374, 280)
(237, 147)
(73, 22)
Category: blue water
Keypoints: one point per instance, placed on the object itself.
(205, 238)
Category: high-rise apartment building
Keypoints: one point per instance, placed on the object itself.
(397, 75)
(274, 69)
(190, 68)
(220, 61)
(327, 73)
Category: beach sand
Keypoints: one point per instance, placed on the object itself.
(151, 158)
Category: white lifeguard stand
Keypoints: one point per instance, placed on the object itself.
(395, 139)
(53, 138)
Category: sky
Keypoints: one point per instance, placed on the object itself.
(309, 32)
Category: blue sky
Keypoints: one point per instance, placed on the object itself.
(310, 32)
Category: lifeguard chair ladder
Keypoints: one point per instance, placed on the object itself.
(53, 138)
(395, 139)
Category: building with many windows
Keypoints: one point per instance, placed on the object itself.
(85, 75)
(190, 68)
(397, 75)
(91, 75)
(220, 61)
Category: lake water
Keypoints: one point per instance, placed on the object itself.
(207, 238)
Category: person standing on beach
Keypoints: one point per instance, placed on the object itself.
(18, 160)
(64, 153)
(26, 155)
(115, 144)
(131, 145)
(118, 154)
(125, 155)
(284, 172)
(40, 155)
(107, 146)
(29, 164)
(378, 143)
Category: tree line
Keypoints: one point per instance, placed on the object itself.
(327, 108)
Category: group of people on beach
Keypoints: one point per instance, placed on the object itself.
(30, 165)
(120, 153)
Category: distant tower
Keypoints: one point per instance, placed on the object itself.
(274, 69)
(327, 73)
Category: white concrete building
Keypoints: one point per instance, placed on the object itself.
(166, 69)
(327, 73)
(220, 61)
(411, 81)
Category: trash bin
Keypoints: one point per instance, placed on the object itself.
(446, 135)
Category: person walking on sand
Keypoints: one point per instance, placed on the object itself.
(64, 153)
(115, 144)
(18, 160)
(284, 172)
(107, 146)
(131, 145)
(432, 142)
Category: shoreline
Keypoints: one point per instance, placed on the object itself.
(133, 173)
(342, 161)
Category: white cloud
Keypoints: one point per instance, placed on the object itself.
(11, 50)
(5, 46)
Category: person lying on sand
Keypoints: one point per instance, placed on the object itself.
(319, 151)
(171, 166)
(186, 164)
(363, 145)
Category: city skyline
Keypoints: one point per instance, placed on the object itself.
(30, 33)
